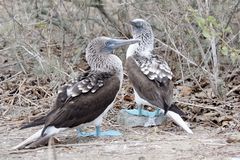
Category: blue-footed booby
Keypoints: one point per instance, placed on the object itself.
(87, 98)
(150, 76)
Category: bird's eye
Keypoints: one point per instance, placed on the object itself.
(139, 24)
(107, 43)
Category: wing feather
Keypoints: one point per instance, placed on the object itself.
(79, 95)
(155, 68)
(85, 107)
(151, 79)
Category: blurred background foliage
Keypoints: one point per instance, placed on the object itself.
(47, 38)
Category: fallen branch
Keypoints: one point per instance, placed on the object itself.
(232, 90)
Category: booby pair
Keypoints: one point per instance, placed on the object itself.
(151, 76)
(89, 97)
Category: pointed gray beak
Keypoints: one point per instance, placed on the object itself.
(116, 43)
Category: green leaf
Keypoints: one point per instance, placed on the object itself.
(224, 50)
(212, 20)
(228, 30)
(41, 25)
(206, 33)
(235, 57)
(201, 22)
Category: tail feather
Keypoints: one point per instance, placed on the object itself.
(43, 141)
(37, 137)
(173, 107)
(177, 110)
(177, 119)
(35, 122)
(29, 140)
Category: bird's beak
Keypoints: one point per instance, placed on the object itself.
(122, 42)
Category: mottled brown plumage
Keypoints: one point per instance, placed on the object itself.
(85, 107)
(86, 98)
(150, 75)
(156, 88)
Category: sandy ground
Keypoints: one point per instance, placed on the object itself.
(136, 143)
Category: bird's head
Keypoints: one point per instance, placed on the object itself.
(106, 45)
(140, 28)
(99, 54)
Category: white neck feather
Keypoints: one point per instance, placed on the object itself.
(105, 63)
(144, 47)
(134, 49)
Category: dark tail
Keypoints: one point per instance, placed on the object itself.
(175, 114)
(173, 108)
(36, 122)
(177, 110)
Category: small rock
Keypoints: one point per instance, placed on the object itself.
(129, 120)
(233, 138)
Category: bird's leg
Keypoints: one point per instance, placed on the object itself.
(142, 112)
(136, 112)
(157, 112)
(140, 109)
(98, 133)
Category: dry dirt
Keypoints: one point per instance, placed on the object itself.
(136, 143)
(215, 125)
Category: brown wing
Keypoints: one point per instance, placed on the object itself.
(151, 81)
(155, 68)
(86, 84)
(85, 107)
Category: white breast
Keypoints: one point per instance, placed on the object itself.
(141, 101)
(134, 48)
(131, 49)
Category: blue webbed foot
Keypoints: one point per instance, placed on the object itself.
(98, 133)
(109, 133)
(80, 133)
(157, 112)
(143, 112)
(134, 112)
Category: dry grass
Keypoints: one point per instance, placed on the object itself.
(42, 46)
